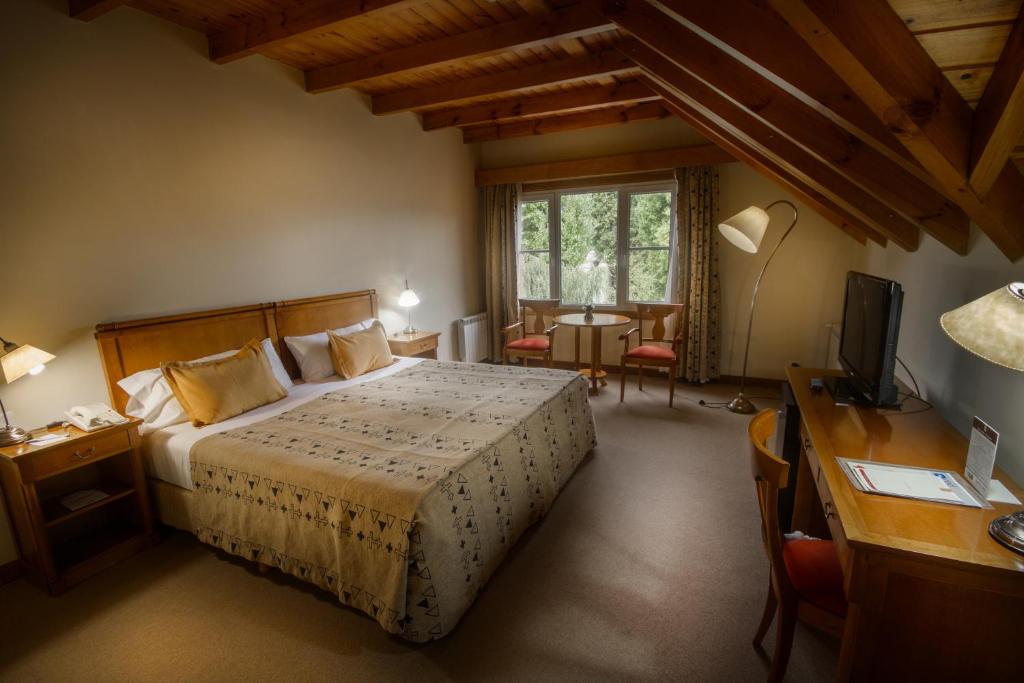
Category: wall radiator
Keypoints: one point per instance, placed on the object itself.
(474, 340)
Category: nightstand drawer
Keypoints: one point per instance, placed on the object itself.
(420, 346)
(76, 454)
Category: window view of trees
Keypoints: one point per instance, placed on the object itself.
(584, 236)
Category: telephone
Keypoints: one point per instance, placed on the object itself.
(95, 416)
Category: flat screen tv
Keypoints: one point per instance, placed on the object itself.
(867, 346)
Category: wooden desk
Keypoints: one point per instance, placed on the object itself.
(932, 595)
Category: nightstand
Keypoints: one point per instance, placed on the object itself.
(422, 344)
(59, 546)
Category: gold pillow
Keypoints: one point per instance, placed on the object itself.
(360, 352)
(213, 391)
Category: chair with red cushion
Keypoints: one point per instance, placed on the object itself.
(651, 350)
(806, 580)
(539, 342)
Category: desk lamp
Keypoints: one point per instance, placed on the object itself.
(745, 230)
(993, 327)
(407, 299)
(16, 362)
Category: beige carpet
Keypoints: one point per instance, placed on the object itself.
(649, 567)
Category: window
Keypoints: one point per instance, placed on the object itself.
(602, 246)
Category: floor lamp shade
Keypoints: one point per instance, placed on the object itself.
(991, 327)
(746, 229)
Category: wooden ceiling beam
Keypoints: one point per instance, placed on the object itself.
(999, 117)
(769, 169)
(618, 164)
(764, 42)
(594, 118)
(530, 31)
(87, 10)
(269, 30)
(755, 135)
(876, 55)
(858, 162)
(610, 62)
(571, 101)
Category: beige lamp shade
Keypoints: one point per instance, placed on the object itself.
(408, 298)
(746, 229)
(23, 360)
(991, 327)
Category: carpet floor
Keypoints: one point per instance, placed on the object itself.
(648, 567)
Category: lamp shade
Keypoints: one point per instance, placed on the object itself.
(991, 327)
(408, 298)
(23, 360)
(746, 229)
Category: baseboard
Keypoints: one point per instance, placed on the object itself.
(751, 381)
(10, 571)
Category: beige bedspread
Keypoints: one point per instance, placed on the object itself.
(401, 495)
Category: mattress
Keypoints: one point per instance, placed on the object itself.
(165, 452)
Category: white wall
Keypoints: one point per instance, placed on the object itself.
(961, 385)
(140, 179)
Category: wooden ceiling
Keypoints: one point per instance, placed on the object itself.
(888, 116)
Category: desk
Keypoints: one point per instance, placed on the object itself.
(597, 323)
(932, 596)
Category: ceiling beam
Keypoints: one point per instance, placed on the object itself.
(87, 10)
(755, 135)
(269, 30)
(514, 108)
(595, 118)
(764, 42)
(880, 175)
(530, 31)
(633, 162)
(607, 63)
(999, 117)
(766, 167)
(873, 51)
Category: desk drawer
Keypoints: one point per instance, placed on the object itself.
(77, 454)
(834, 525)
(812, 457)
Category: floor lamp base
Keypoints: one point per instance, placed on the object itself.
(741, 405)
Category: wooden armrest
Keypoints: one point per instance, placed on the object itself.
(551, 330)
(506, 330)
(623, 337)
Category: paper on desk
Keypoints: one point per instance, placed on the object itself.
(908, 482)
(998, 493)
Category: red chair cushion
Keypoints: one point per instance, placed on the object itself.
(530, 344)
(651, 353)
(815, 572)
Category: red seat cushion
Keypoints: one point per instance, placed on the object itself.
(815, 572)
(651, 353)
(530, 344)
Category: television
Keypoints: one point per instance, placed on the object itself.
(867, 345)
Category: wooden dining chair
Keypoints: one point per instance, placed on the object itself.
(537, 341)
(806, 580)
(648, 351)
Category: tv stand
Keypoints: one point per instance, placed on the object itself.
(845, 394)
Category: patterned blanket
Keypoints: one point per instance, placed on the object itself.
(401, 495)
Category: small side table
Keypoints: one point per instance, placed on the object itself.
(59, 546)
(420, 344)
(596, 325)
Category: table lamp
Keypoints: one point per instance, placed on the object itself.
(16, 362)
(745, 230)
(408, 299)
(993, 327)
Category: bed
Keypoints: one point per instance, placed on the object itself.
(400, 491)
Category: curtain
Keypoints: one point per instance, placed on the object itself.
(501, 216)
(696, 275)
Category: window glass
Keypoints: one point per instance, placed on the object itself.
(589, 247)
(650, 225)
(534, 254)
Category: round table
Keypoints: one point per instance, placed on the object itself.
(596, 323)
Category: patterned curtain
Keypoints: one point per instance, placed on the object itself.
(697, 274)
(501, 216)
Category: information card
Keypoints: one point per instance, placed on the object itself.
(981, 456)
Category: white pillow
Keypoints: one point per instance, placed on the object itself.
(312, 353)
(150, 397)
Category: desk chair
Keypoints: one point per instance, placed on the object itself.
(650, 353)
(539, 343)
(806, 580)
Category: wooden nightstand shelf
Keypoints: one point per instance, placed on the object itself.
(422, 344)
(60, 547)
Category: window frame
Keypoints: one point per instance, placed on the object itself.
(624, 249)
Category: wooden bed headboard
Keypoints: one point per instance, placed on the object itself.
(133, 345)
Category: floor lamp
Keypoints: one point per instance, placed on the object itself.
(745, 230)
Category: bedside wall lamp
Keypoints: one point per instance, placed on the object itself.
(16, 362)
